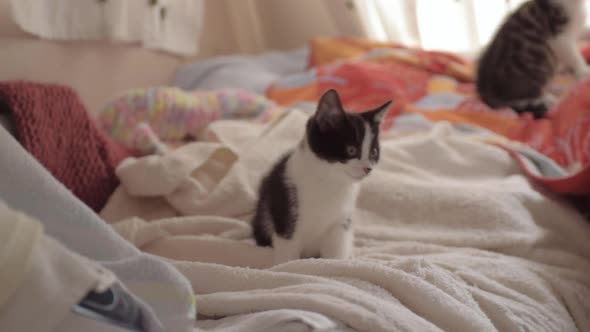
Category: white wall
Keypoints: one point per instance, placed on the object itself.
(101, 70)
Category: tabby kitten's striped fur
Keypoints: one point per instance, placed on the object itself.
(525, 53)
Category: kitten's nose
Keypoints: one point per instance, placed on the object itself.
(367, 169)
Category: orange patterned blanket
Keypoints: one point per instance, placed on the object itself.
(439, 87)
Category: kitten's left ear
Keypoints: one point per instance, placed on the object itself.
(330, 112)
(378, 114)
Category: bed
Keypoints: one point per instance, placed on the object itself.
(466, 225)
(462, 228)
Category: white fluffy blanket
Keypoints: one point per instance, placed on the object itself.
(449, 235)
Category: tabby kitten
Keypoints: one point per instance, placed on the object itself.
(524, 55)
(306, 201)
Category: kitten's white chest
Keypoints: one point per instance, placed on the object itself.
(323, 203)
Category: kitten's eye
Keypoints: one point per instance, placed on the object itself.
(351, 150)
(374, 153)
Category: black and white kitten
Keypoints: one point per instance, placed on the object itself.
(525, 53)
(307, 199)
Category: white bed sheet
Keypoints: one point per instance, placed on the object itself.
(285, 320)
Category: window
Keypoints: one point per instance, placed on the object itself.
(462, 26)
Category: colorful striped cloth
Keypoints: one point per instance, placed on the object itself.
(146, 120)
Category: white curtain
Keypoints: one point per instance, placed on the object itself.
(462, 26)
(258, 25)
(169, 25)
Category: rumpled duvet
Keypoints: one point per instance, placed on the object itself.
(450, 235)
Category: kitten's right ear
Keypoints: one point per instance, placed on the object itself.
(330, 111)
(379, 113)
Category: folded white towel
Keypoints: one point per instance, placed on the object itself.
(28, 187)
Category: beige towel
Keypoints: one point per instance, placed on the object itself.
(449, 236)
(40, 280)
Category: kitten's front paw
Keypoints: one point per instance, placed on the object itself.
(285, 251)
(337, 255)
(338, 243)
